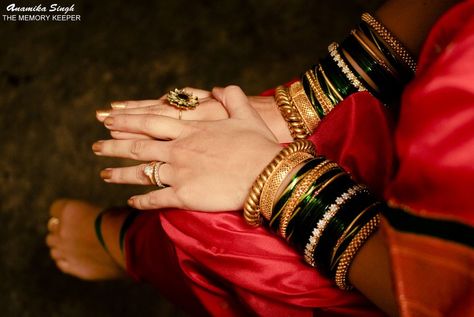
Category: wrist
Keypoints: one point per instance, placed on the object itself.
(268, 111)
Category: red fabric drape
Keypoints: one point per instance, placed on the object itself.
(235, 270)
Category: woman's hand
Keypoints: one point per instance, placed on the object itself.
(209, 165)
(209, 109)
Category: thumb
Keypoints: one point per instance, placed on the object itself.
(234, 101)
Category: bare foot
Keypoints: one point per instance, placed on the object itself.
(74, 245)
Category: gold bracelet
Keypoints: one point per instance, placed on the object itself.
(276, 178)
(347, 232)
(344, 68)
(294, 121)
(391, 40)
(379, 59)
(299, 190)
(318, 91)
(303, 106)
(349, 254)
(251, 210)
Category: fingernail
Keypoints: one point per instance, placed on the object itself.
(106, 174)
(102, 114)
(97, 147)
(130, 201)
(109, 121)
(118, 105)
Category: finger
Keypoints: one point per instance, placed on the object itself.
(122, 104)
(234, 100)
(140, 150)
(135, 175)
(163, 198)
(158, 127)
(119, 135)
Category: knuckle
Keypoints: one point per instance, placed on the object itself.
(137, 147)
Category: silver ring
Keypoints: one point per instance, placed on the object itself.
(156, 174)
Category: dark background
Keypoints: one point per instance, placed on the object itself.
(53, 75)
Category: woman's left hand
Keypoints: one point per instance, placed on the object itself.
(209, 165)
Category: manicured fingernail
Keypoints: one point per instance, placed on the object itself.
(106, 174)
(130, 201)
(118, 105)
(97, 147)
(109, 121)
(102, 114)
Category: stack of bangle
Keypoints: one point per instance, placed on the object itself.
(321, 211)
(369, 59)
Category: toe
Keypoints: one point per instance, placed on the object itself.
(52, 240)
(58, 206)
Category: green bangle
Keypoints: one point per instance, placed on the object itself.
(125, 226)
(98, 229)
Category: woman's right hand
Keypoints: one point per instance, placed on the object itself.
(209, 109)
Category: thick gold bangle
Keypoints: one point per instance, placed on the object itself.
(293, 119)
(303, 106)
(251, 210)
(393, 43)
(349, 254)
(344, 68)
(318, 91)
(270, 189)
(299, 190)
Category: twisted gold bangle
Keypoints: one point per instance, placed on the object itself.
(391, 40)
(251, 210)
(303, 106)
(295, 123)
(270, 189)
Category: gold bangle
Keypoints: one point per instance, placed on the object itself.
(379, 59)
(329, 83)
(349, 254)
(251, 210)
(344, 68)
(299, 190)
(361, 72)
(347, 232)
(392, 42)
(318, 91)
(303, 106)
(276, 178)
(294, 121)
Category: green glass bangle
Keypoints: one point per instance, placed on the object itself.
(304, 222)
(387, 84)
(312, 98)
(354, 229)
(310, 200)
(405, 71)
(294, 181)
(125, 226)
(336, 227)
(342, 84)
(98, 229)
(324, 86)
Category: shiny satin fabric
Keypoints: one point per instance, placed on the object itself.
(425, 161)
(433, 260)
